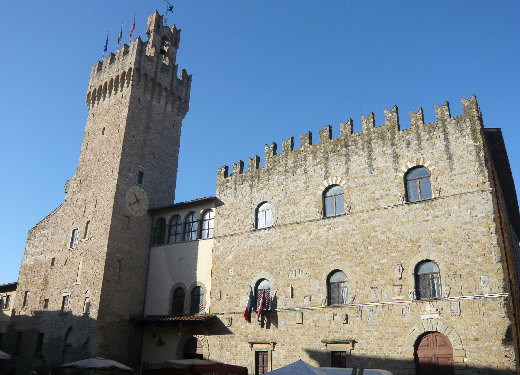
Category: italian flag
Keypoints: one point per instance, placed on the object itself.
(250, 306)
(263, 306)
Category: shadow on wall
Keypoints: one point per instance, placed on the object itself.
(399, 366)
(65, 338)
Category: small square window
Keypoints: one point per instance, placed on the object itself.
(39, 344)
(26, 299)
(85, 234)
(140, 177)
(65, 303)
(86, 306)
(74, 239)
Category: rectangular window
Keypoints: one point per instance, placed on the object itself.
(140, 177)
(86, 306)
(85, 234)
(65, 303)
(2, 301)
(74, 239)
(26, 299)
(46, 303)
(39, 344)
(338, 359)
(7, 302)
(53, 260)
(261, 362)
(18, 344)
(78, 273)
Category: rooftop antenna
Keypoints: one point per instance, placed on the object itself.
(169, 8)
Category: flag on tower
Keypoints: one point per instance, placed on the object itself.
(132, 29)
(120, 35)
(250, 305)
(169, 7)
(106, 45)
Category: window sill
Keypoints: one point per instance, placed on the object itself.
(64, 312)
(181, 242)
(429, 299)
(332, 217)
(264, 228)
(421, 201)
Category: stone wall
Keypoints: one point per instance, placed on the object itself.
(377, 244)
(136, 105)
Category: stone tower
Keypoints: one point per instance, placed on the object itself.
(84, 269)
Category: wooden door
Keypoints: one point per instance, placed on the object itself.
(434, 355)
(261, 363)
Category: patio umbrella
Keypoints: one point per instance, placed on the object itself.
(297, 368)
(97, 363)
(302, 368)
(197, 366)
(4, 355)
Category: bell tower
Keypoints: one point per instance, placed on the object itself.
(136, 106)
(85, 264)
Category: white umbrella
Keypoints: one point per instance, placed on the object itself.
(4, 355)
(97, 363)
(302, 368)
(297, 368)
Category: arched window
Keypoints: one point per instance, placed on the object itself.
(337, 289)
(192, 349)
(159, 231)
(175, 229)
(264, 216)
(191, 226)
(261, 285)
(208, 224)
(333, 201)
(427, 280)
(178, 302)
(197, 300)
(418, 185)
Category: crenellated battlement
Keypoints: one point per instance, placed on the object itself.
(149, 65)
(389, 131)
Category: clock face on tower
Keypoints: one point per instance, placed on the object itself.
(136, 200)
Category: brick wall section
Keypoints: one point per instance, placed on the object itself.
(379, 231)
(136, 106)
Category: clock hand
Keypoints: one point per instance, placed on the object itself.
(136, 199)
(131, 204)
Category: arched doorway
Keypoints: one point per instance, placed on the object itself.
(193, 349)
(434, 355)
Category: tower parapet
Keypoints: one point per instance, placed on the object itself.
(390, 132)
(150, 65)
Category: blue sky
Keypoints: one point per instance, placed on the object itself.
(262, 72)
